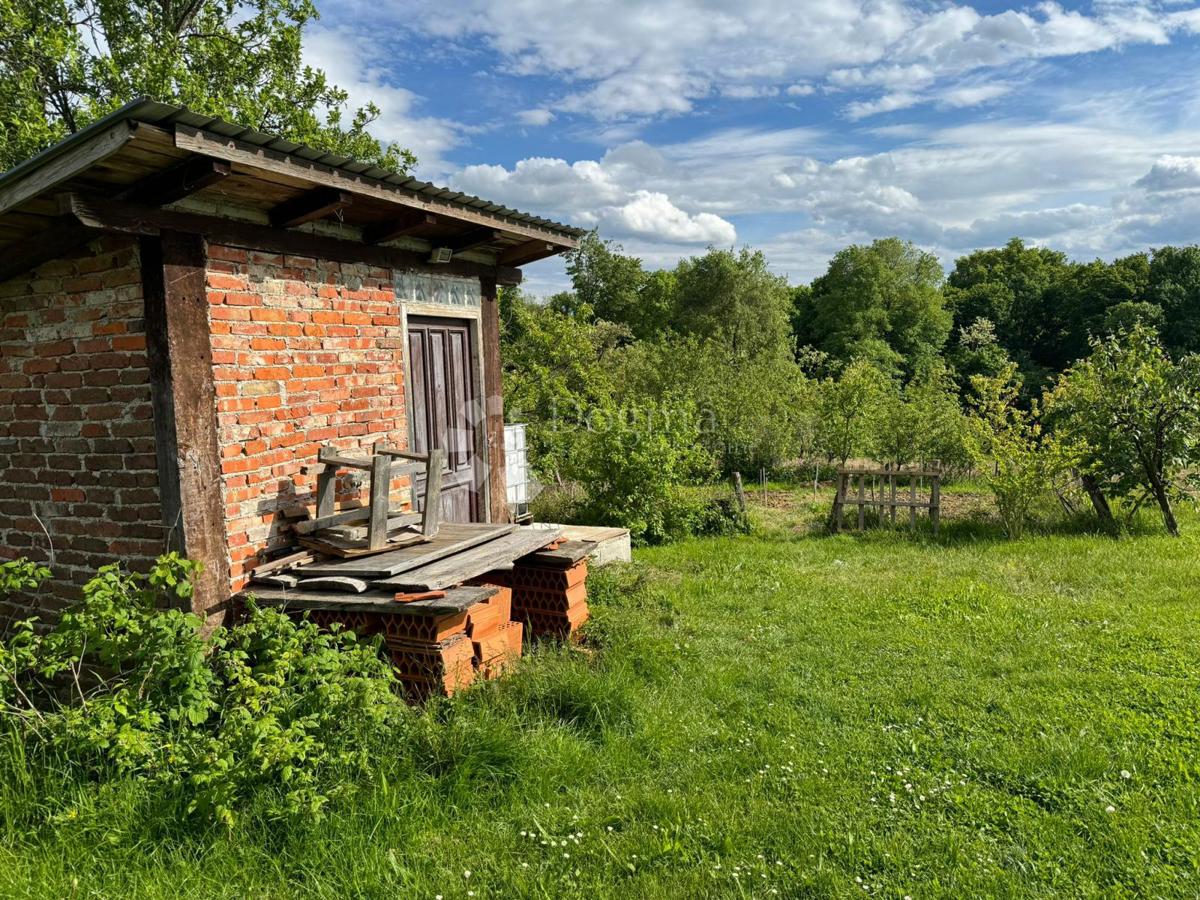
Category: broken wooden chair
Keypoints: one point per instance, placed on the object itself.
(340, 533)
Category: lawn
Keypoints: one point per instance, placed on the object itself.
(784, 714)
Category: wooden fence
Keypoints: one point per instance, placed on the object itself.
(887, 495)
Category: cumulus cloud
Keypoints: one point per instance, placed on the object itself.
(652, 214)
(1172, 173)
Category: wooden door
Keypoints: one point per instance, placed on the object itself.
(443, 404)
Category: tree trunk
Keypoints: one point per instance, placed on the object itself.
(1099, 501)
(1164, 504)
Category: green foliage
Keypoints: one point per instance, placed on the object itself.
(848, 410)
(126, 686)
(1137, 412)
(616, 288)
(881, 303)
(66, 63)
(21, 575)
(1019, 463)
(733, 300)
(633, 464)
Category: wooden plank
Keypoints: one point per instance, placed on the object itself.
(254, 157)
(397, 518)
(127, 218)
(493, 404)
(567, 554)
(455, 601)
(179, 181)
(452, 570)
(337, 583)
(308, 207)
(453, 537)
(67, 165)
(298, 558)
(352, 548)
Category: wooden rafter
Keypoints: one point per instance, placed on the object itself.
(308, 207)
(177, 182)
(398, 227)
(469, 240)
(526, 253)
(106, 214)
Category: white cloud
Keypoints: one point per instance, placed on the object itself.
(651, 214)
(535, 117)
(429, 137)
(1171, 173)
(625, 59)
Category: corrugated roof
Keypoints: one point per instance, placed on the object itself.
(153, 112)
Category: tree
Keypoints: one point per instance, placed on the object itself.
(1018, 461)
(1137, 412)
(733, 299)
(614, 287)
(66, 63)
(883, 303)
(1006, 286)
(1175, 289)
(849, 405)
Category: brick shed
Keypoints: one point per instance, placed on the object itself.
(190, 308)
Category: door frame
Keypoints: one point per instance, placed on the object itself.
(472, 317)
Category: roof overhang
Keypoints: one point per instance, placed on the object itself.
(152, 162)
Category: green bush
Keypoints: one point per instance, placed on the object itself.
(126, 685)
(633, 468)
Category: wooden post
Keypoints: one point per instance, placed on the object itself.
(862, 509)
(326, 491)
(493, 401)
(892, 489)
(381, 491)
(935, 500)
(740, 494)
(431, 515)
(839, 501)
(912, 498)
(180, 352)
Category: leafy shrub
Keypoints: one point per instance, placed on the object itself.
(1018, 462)
(126, 685)
(634, 466)
(21, 575)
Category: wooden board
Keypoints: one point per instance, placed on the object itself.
(456, 600)
(353, 548)
(567, 554)
(452, 570)
(452, 537)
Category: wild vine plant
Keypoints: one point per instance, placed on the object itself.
(126, 684)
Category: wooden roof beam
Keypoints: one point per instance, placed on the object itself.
(177, 182)
(398, 227)
(520, 254)
(469, 240)
(310, 206)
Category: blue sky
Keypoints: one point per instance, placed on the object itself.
(795, 127)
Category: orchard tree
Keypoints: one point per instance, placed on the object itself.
(66, 63)
(1138, 413)
(882, 303)
(849, 407)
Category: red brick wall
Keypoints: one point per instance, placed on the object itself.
(76, 428)
(305, 352)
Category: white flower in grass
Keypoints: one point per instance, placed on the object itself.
(466, 873)
(1110, 809)
(1126, 774)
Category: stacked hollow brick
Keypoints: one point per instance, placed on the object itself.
(444, 653)
(549, 590)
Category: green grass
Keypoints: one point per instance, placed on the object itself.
(871, 715)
